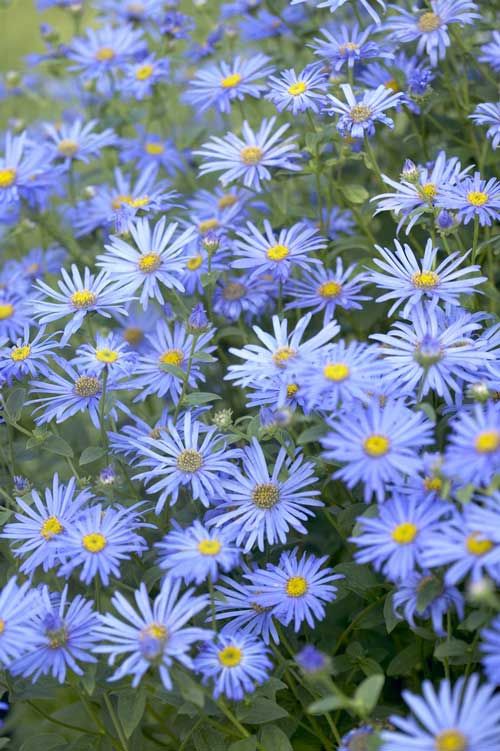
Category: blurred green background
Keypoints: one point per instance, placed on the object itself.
(19, 22)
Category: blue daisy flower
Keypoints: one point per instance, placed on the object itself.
(154, 261)
(473, 197)
(296, 589)
(336, 4)
(236, 663)
(28, 356)
(149, 149)
(490, 648)
(133, 12)
(358, 115)
(38, 527)
(411, 280)
(26, 172)
(277, 254)
(406, 74)
(393, 540)
(137, 324)
(349, 45)
(462, 718)
(17, 606)
(99, 539)
(242, 297)
(77, 141)
(251, 157)
(195, 458)
(227, 206)
(126, 440)
(220, 84)
(77, 296)
(108, 352)
(152, 635)
(38, 262)
(491, 51)
(139, 78)
(266, 25)
(489, 114)
(243, 613)
(298, 92)
(473, 451)
(335, 222)
(64, 634)
(196, 553)
(405, 601)
(262, 506)
(377, 445)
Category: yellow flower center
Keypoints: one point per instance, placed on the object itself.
(194, 263)
(376, 445)
(209, 547)
(87, 386)
(392, 84)
(229, 82)
(133, 335)
(282, 355)
(7, 177)
(404, 533)
(477, 197)
(144, 72)
(106, 355)
(251, 155)
(429, 22)
(230, 657)
(136, 203)
(234, 291)
(155, 631)
(425, 279)
(434, 484)
(6, 310)
(94, 542)
(104, 54)
(291, 390)
(477, 544)
(296, 89)
(451, 740)
(207, 225)
(337, 371)
(2, 625)
(83, 298)
(296, 586)
(18, 354)
(360, 113)
(190, 461)
(277, 252)
(348, 47)
(329, 289)
(429, 191)
(149, 262)
(51, 527)
(225, 202)
(487, 442)
(153, 148)
(172, 357)
(67, 147)
(265, 495)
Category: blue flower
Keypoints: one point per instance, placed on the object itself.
(298, 92)
(263, 505)
(265, 25)
(190, 456)
(296, 589)
(98, 540)
(490, 647)
(28, 356)
(393, 540)
(349, 45)
(491, 51)
(405, 600)
(323, 289)
(149, 149)
(245, 615)
(196, 553)
(220, 84)
(139, 78)
(242, 297)
(377, 444)
(357, 738)
(462, 718)
(359, 115)
(77, 296)
(236, 663)
(38, 527)
(77, 141)
(429, 27)
(336, 4)
(134, 12)
(108, 352)
(473, 451)
(64, 632)
(153, 263)
(17, 607)
(152, 635)
(251, 156)
(473, 197)
(489, 114)
(406, 74)
(176, 25)
(411, 280)
(277, 254)
(26, 172)
(127, 440)
(311, 661)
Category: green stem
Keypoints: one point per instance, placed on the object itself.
(116, 722)
(75, 728)
(373, 160)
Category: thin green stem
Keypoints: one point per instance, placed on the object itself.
(116, 723)
(75, 728)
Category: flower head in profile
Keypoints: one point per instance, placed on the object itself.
(490, 52)
(358, 115)
(220, 84)
(490, 648)
(334, 5)
(489, 114)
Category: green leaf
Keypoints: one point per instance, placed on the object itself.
(474, 620)
(199, 397)
(451, 648)
(367, 694)
(274, 738)
(190, 690)
(355, 193)
(261, 710)
(57, 445)
(208, 739)
(130, 707)
(14, 405)
(45, 741)
(406, 661)
(328, 703)
(173, 370)
(4, 742)
(312, 434)
(91, 454)
(247, 744)
(391, 620)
